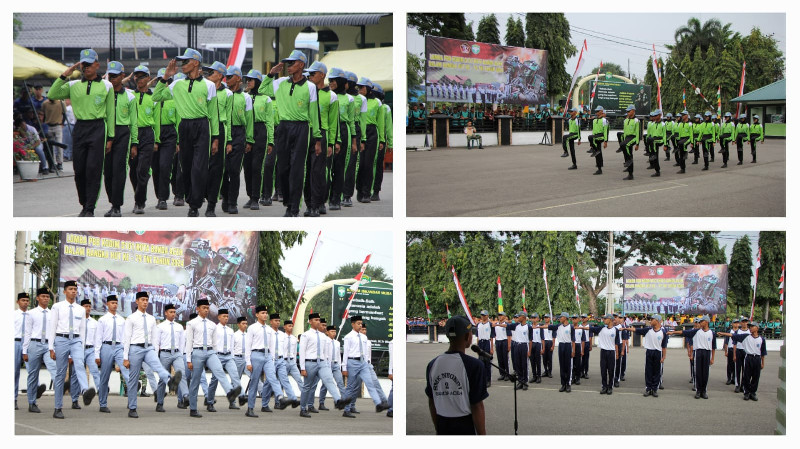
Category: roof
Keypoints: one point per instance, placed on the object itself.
(771, 92)
(278, 20)
(374, 63)
(28, 64)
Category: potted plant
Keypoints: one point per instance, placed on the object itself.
(25, 157)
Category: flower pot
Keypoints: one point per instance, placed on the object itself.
(28, 170)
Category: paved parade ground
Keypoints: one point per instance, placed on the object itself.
(545, 411)
(533, 180)
(175, 421)
(52, 196)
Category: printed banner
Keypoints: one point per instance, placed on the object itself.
(474, 72)
(615, 96)
(175, 267)
(672, 289)
(373, 301)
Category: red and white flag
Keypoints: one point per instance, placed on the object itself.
(524, 309)
(581, 59)
(741, 89)
(499, 296)
(780, 287)
(317, 244)
(462, 298)
(546, 288)
(238, 49)
(354, 289)
(594, 88)
(758, 265)
(658, 77)
(575, 284)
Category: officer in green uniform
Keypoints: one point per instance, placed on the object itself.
(742, 135)
(148, 138)
(317, 174)
(572, 133)
(257, 177)
(389, 138)
(337, 81)
(708, 134)
(629, 139)
(240, 114)
(372, 138)
(93, 134)
(125, 132)
(668, 129)
(599, 135)
(697, 137)
(177, 171)
(727, 135)
(715, 121)
(656, 136)
(196, 103)
(355, 151)
(167, 121)
(685, 133)
(216, 163)
(756, 135)
(299, 125)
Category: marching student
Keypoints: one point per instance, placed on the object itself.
(258, 173)
(126, 131)
(729, 348)
(335, 352)
(147, 138)
(486, 338)
(548, 347)
(536, 350)
(255, 354)
(223, 345)
(238, 353)
(609, 342)
(108, 350)
(599, 135)
(240, 116)
(169, 341)
(277, 349)
(655, 345)
(352, 164)
(629, 139)
(167, 120)
(317, 183)
(355, 366)
(577, 358)
(704, 343)
(291, 354)
(587, 347)
(685, 137)
(215, 73)
(572, 132)
(739, 354)
(755, 347)
(337, 81)
(311, 353)
(756, 134)
(22, 326)
(373, 138)
(388, 146)
(89, 333)
(727, 135)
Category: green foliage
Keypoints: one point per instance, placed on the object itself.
(773, 255)
(45, 258)
(321, 302)
(17, 27)
(452, 25)
(709, 252)
(765, 62)
(515, 32)
(550, 31)
(274, 289)
(415, 71)
(695, 35)
(133, 27)
(740, 271)
(488, 30)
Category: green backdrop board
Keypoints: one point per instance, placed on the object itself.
(615, 96)
(373, 302)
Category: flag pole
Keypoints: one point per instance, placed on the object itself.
(546, 288)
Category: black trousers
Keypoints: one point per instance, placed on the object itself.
(547, 359)
(143, 161)
(692, 370)
(352, 166)
(596, 143)
(654, 155)
(520, 356)
(366, 170)
(724, 145)
(696, 150)
(216, 168)
(627, 149)
(291, 142)
(116, 165)
(607, 365)
(667, 141)
(702, 358)
(195, 142)
(376, 183)
(315, 184)
(232, 178)
(577, 361)
(88, 156)
(486, 345)
(682, 152)
(740, 146)
(752, 373)
(162, 161)
(501, 353)
(339, 163)
(513, 356)
(536, 359)
(753, 148)
(740, 354)
(565, 362)
(177, 175)
(708, 150)
(587, 346)
(569, 142)
(253, 164)
(652, 369)
(618, 366)
(731, 365)
(623, 358)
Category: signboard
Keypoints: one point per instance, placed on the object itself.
(373, 302)
(673, 289)
(175, 267)
(459, 71)
(615, 96)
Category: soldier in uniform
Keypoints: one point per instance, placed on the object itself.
(240, 116)
(599, 135)
(571, 134)
(629, 139)
(259, 174)
(727, 135)
(756, 134)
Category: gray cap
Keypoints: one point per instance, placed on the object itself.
(501, 313)
(523, 314)
(583, 315)
(736, 320)
(457, 326)
(547, 315)
(516, 315)
(575, 315)
(630, 108)
(484, 312)
(564, 315)
(744, 318)
(598, 109)
(707, 114)
(608, 316)
(705, 318)
(727, 114)
(755, 117)
(535, 315)
(657, 317)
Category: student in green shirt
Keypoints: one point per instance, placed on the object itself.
(685, 137)
(337, 81)
(756, 135)
(389, 138)
(727, 135)
(198, 133)
(742, 135)
(372, 138)
(125, 132)
(629, 139)
(599, 135)
(697, 137)
(167, 120)
(572, 132)
(299, 126)
(317, 184)
(708, 134)
(656, 135)
(93, 105)
(352, 163)
(669, 127)
(148, 138)
(216, 163)
(240, 116)
(258, 176)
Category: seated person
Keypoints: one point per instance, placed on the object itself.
(472, 134)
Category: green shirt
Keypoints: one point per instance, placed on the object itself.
(387, 126)
(263, 112)
(296, 101)
(600, 126)
(347, 113)
(125, 113)
(574, 128)
(91, 100)
(657, 131)
(756, 132)
(631, 128)
(200, 102)
(685, 131)
(728, 128)
(146, 109)
(240, 113)
(744, 129)
(708, 129)
(373, 116)
(329, 114)
(166, 114)
(360, 107)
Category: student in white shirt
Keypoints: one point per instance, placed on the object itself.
(170, 341)
(108, 349)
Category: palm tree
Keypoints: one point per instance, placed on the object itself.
(694, 34)
(132, 26)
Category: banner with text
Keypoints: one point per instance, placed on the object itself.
(615, 96)
(474, 72)
(373, 301)
(174, 267)
(672, 289)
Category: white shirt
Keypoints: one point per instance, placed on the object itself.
(220, 335)
(164, 335)
(308, 346)
(548, 334)
(135, 331)
(89, 332)
(654, 339)
(254, 339)
(105, 331)
(564, 334)
(282, 349)
(353, 347)
(500, 332)
(485, 331)
(59, 322)
(291, 345)
(608, 338)
(18, 323)
(336, 347)
(704, 340)
(736, 332)
(272, 342)
(195, 329)
(238, 343)
(327, 349)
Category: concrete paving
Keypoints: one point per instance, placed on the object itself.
(55, 196)
(542, 410)
(533, 180)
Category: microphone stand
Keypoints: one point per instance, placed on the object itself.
(513, 378)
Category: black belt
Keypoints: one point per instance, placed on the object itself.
(258, 350)
(224, 353)
(66, 335)
(141, 345)
(752, 355)
(169, 350)
(238, 126)
(111, 344)
(313, 360)
(354, 358)
(38, 339)
(207, 348)
(238, 355)
(92, 120)
(485, 339)
(88, 346)
(17, 339)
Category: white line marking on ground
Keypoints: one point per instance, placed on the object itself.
(35, 428)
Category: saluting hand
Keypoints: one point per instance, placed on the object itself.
(171, 69)
(69, 71)
(276, 69)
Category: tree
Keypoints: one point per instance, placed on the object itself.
(773, 256)
(740, 271)
(765, 62)
(452, 25)
(17, 27)
(610, 67)
(45, 258)
(488, 30)
(550, 31)
(709, 252)
(274, 289)
(415, 72)
(695, 35)
(134, 26)
(350, 270)
(515, 33)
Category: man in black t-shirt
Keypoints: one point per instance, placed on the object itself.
(456, 385)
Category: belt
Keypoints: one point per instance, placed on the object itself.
(354, 358)
(91, 120)
(485, 339)
(141, 345)
(207, 348)
(169, 350)
(258, 350)
(67, 335)
(224, 353)
(753, 355)
(313, 360)
(39, 339)
(54, 124)
(88, 346)
(238, 355)
(17, 339)
(110, 344)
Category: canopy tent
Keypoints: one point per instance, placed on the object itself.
(28, 64)
(374, 63)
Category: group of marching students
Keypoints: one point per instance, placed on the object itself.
(197, 127)
(678, 135)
